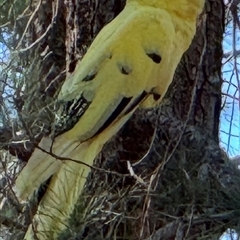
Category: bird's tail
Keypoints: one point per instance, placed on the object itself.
(62, 194)
(42, 165)
(67, 184)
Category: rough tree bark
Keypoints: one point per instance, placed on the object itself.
(189, 188)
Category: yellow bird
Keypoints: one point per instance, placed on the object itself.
(130, 64)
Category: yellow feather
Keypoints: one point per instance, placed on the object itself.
(136, 53)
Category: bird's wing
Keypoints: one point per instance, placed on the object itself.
(118, 72)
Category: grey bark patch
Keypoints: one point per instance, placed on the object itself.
(69, 114)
